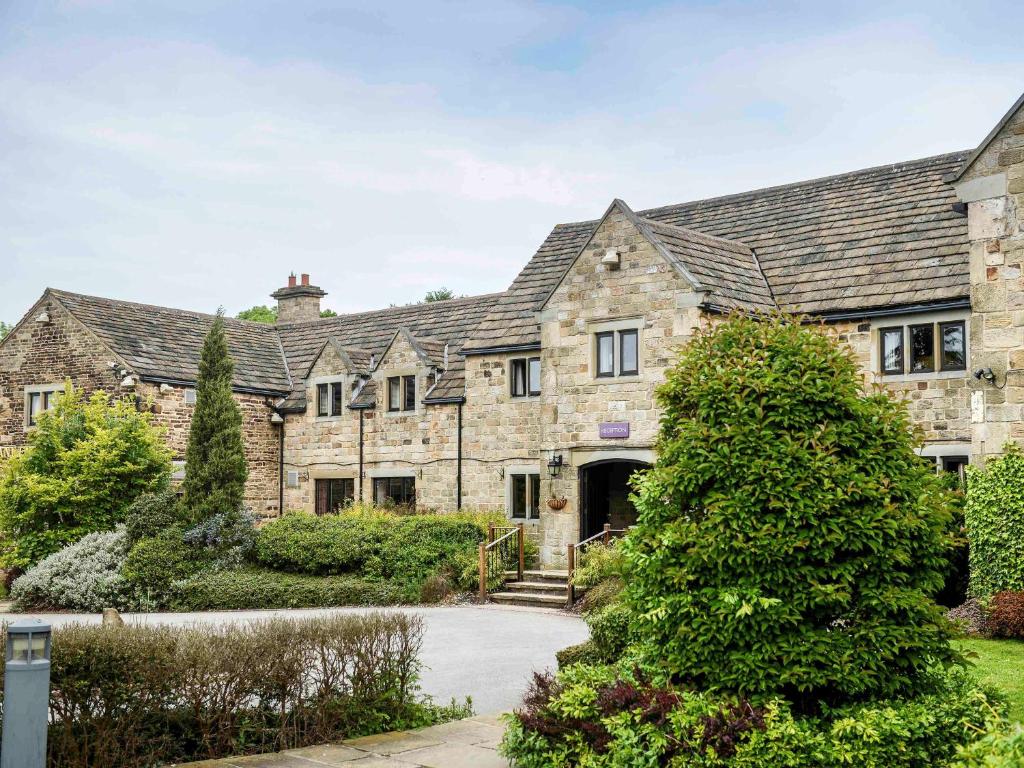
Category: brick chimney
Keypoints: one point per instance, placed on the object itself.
(298, 303)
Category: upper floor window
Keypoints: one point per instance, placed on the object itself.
(329, 398)
(37, 400)
(617, 353)
(525, 376)
(401, 393)
(923, 347)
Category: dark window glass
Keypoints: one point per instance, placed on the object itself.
(606, 354)
(322, 400)
(394, 393)
(517, 373)
(955, 464)
(628, 353)
(519, 496)
(954, 348)
(534, 366)
(336, 389)
(409, 403)
(334, 494)
(398, 491)
(922, 348)
(892, 350)
(535, 497)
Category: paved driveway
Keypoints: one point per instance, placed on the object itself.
(486, 652)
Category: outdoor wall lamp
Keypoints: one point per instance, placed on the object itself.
(988, 376)
(555, 465)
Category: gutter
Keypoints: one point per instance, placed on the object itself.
(531, 346)
(187, 383)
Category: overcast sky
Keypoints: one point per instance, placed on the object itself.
(194, 153)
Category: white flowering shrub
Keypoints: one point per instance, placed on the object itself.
(85, 576)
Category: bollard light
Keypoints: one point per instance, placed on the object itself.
(26, 695)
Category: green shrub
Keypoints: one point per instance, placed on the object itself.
(1005, 615)
(611, 630)
(1000, 749)
(253, 588)
(151, 514)
(790, 541)
(601, 594)
(607, 717)
(581, 653)
(154, 564)
(86, 461)
(153, 695)
(598, 562)
(402, 549)
(994, 515)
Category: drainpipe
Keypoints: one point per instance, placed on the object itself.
(458, 461)
(280, 468)
(360, 455)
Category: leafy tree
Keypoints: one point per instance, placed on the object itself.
(215, 469)
(4, 329)
(328, 313)
(789, 539)
(259, 314)
(87, 461)
(441, 294)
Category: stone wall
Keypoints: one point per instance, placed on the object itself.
(993, 188)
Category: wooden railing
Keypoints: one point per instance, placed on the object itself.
(502, 552)
(605, 536)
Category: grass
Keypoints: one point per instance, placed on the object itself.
(1001, 663)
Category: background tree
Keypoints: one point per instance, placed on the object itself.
(4, 329)
(86, 462)
(441, 294)
(789, 539)
(259, 314)
(215, 469)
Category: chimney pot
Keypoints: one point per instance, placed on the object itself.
(291, 280)
(305, 278)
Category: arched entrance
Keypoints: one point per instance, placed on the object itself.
(604, 495)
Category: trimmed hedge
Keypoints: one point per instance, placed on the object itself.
(149, 695)
(254, 588)
(608, 717)
(994, 515)
(402, 549)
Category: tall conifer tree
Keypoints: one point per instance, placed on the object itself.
(215, 470)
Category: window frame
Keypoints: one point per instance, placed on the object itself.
(531, 494)
(531, 392)
(635, 334)
(901, 329)
(330, 398)
(348, 493)
(47, 395)
(910, 345)
(394, 396)
(941, 346)
(524, 365)
(598, 372)
(404, 480)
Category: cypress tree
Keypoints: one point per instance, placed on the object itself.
(215, 468)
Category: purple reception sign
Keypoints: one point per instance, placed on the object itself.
(612, 429)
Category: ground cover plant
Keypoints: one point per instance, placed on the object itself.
(999, 663)
(779, 604)
(86, 461)
(150, 695)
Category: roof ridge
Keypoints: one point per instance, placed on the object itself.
(691, 231)
(384, 310)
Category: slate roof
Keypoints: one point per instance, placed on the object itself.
(883, 237)
(163, 343)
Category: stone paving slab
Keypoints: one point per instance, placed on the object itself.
(469, 743)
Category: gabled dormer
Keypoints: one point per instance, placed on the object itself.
(408, 368)
(335, 377)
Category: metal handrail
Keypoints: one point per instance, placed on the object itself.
(495, 554)
(606, 535)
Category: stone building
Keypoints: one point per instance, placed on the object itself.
(544, 391)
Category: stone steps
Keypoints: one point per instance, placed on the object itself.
(539, 589)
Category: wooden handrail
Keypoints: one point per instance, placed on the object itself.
(490, 553)
(605, 534)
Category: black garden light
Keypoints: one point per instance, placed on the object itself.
(555, 465)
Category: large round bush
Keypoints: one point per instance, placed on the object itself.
(789, 539)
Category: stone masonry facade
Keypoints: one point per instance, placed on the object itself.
(935, 244)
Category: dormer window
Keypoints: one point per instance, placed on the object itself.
(330, 398)
(401, 393)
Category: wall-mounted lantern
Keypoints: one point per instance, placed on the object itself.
(555, 465)
(26, 695)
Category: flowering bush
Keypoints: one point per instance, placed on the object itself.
(85, 576)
